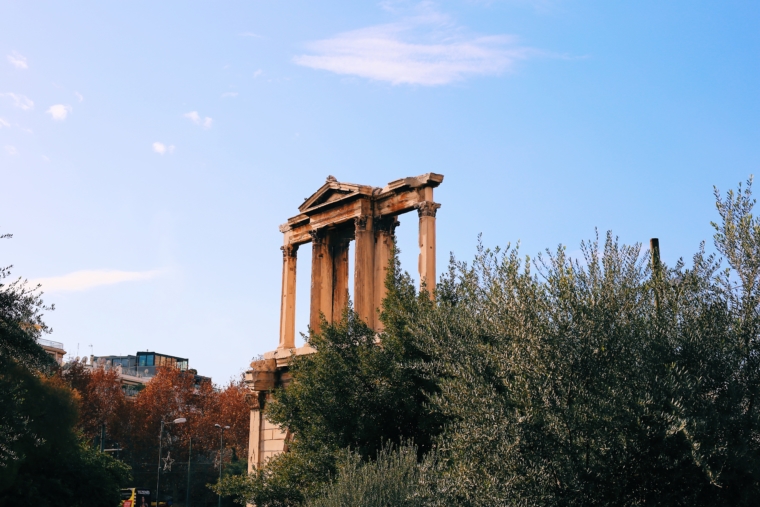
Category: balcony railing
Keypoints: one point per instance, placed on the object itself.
(50, 343)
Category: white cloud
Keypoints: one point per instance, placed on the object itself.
(4, 123)
(250, 34)
(11, 150)
(17, 60)
(20, 101)
(79, 96)
(229, 94)
(194, 117)
(428, 49)
(59, 112)
(161, 148)
(45, 158)
(83, 280)
(257, 73)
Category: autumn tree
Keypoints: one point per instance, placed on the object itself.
(133, 424)
(101, 399)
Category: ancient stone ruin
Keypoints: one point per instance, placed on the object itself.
(330, 219)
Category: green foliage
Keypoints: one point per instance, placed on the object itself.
(286, 480)
(599, 381)
(43, 461)
(392, 479)
(20, 326)
(56, 466)
(359, 391)
(21, 323)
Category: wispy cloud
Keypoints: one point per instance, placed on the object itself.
(4, 123)
(230, 94)
(17, 60)
(59, 112)
(89, 279)
(250, 34)
(194, 117)
(20, 101)
(10, 150)
(257, 73)
(79, 96)
(162, 149)
(425, 49)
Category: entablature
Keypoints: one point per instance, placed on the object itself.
(336, 204)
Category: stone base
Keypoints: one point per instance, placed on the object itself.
(266, 439)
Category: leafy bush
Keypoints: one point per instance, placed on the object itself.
(392, 479)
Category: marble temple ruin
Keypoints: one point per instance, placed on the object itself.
(330, 219)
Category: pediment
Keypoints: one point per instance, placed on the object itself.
(333, 191)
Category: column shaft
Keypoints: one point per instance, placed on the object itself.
(384, 233)
(364, 267)
(427, 211)
(321, 279)
(288, 303)
(254, 440)
(340, 279)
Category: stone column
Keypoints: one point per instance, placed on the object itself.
(340, 278)
(321, 278)
(255, 403)
(288, 303)
(364, 267)
(427, 211)
(384, 234)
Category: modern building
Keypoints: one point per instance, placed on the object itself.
(55, 349)
(137, 370)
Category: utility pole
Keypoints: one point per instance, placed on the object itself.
(654, 248)
(179, 420)
(221, 455)
(158, 473)
(189, 454)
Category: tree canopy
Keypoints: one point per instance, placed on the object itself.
(43, 460)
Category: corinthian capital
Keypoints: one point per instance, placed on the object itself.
(289, 251)
(318, 236)
(427, 208)
(386, 224)
(360, 222)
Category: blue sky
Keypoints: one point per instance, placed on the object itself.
(149, 150)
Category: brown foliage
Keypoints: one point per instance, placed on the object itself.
(101, 400)
(134, 424)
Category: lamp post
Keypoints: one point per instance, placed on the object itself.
(221, 450)
(189, 454)
(179, 420)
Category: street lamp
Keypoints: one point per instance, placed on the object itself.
(221, 450)
(179, 420)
